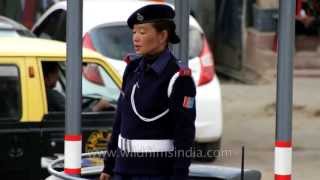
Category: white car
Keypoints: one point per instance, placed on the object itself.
(11, 28)
(105, 30)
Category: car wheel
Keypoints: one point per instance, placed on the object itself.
(209, 151)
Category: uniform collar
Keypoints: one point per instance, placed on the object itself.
(159, 63)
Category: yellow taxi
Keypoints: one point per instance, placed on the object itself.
(29, 129)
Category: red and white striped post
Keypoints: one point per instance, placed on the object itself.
(283, 160)
(72, 145)
(283, 144)
(72, 151)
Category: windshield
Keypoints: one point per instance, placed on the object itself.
(115, 41)
(112, 41)
(96, 82)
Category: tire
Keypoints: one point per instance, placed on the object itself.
(205, 148)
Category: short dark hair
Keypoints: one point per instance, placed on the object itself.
(50, 67)
(165, 25)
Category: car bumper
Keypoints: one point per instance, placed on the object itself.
(209, 112)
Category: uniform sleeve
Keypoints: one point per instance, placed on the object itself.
(109, 158)
(183, 112)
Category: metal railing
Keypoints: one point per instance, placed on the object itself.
(84, 171)
(195, 170)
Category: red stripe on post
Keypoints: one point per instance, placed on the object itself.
(72, 137)
(283, 144)
(72, 171)
(282, 177)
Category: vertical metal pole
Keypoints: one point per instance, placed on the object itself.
(181, 50)
(283, 144)
(242, 162)
(72, 149)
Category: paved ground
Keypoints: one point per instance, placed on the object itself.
(249, 119)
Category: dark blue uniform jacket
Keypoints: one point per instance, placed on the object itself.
(151, 98)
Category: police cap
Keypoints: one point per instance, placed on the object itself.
(154, 13)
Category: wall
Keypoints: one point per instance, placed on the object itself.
(268, 3)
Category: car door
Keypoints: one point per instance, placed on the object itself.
(96, 126)
(20, 140)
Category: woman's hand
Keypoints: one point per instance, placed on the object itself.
(101, 105)
(105, 176)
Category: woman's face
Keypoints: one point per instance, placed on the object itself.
(147, 40)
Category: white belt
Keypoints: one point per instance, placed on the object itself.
(145, 145)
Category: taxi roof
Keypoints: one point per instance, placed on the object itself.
(20, 46)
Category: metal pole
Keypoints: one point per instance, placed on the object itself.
(242, 163)
(181, 51)
(283, 144)
(72, 150)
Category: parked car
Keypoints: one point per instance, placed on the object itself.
(108, 34)
(10, 28)
(30, 133)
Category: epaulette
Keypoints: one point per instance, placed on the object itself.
(185, 71)
(131, 57)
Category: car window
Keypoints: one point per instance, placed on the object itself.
(53, 27)
(10, 106)
(96, 84)
(196, 42)
(114, 41)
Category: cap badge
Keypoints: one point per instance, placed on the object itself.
(140, 17)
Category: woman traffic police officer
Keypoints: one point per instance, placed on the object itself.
(154, 127)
